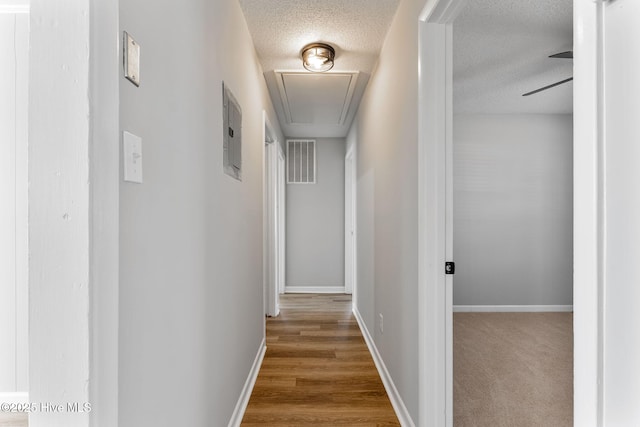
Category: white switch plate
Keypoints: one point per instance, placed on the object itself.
(131, 59)
(132, 149)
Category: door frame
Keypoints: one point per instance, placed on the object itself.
(588, 213)
(281, 201)
(66, 318)
(435, 342)
(350, 260)
(435, 345)
(272, 219)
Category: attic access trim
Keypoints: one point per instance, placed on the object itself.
(316, 98)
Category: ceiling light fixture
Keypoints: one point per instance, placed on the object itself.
(318, 57)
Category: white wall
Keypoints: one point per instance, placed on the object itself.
(621, 317)
(315, 222)
(59, 218)
(191, 237)
(385, 131)
(104, 170)
(513, 211)
(14, 270)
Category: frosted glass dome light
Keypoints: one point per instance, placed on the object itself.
(318, 57)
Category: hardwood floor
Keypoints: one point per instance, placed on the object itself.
(317, 369)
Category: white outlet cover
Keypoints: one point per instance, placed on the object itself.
(131, 59)
(132, 149)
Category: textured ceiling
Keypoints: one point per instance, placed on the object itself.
(355, 28)
(501, 50)
(281, 28)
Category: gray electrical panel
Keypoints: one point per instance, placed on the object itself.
(232, 131)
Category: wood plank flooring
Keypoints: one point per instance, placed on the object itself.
(317, 370)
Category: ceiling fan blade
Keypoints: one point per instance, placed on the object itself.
(548, 87)
(564, 55)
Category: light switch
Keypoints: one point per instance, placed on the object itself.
(132, 149)
(131, 59)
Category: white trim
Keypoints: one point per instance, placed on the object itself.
(243, 401)
(394, 396)
(431, 227)
(14, 398)
(588, 217)
(271, 221)
(452, 12)
(62, 316)
(511, 308)
(349, 221)
(282, 220)
(442, 12)
(314, 289)
(280, 75)
(435, 370)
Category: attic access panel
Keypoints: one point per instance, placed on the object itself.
(232, 134)
(316, 98)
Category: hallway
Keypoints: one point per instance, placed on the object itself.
(317, 369)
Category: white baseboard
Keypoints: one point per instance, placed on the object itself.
(243, 401)
(511, 308)
(396, 401)
(17, 397)
(314, 289)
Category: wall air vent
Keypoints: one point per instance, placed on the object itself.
(301, 161)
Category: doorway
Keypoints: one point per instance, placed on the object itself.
(275, 220)
(315, 215)
(436, 243)
(350, 270)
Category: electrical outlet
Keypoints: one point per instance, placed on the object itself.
(381, 323)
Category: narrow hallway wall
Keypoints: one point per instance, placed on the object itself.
(385, 133)
(315, 223)
(191, 248)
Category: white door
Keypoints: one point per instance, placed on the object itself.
(349, 225)
(281, 215)
(14, 239)
(621, 131)
(435, 201)
(271, 224)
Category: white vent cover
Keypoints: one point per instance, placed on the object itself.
(301, 161)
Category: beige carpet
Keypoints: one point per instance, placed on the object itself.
(513, 369)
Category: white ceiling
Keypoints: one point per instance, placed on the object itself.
(328, 94)
(355, 28)
(501, 50)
